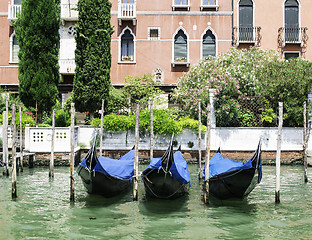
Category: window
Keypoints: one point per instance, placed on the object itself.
(158, 75)
(153, 33)
(17, 2)
(291, 21)
(209, 44)
(180, 46)
(127, 1)
(127, 46)
(288, 55)
(209, 2)
(245, 20)
(181, 2)
(14, 49)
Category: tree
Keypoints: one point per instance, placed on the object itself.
(92, 55)
(37, 31)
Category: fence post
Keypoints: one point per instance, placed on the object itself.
(21, 140)
(72, 151)
(199, 139)
(278, 153)
(152, 130)
(5, 144)
(136, 154)
(206, 194)
(51, 172)
(101, 130)
(305, 141)
(211, 101)
(14, 195)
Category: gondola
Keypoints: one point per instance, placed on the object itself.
(167, 177)
(233, 179)
(106, 176)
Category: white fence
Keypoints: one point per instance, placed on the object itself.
(228, 139)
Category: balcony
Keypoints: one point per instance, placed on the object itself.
(292, 35)
(69, 11)
(209, 5)
(13, 11)
(246, 35)
(180, 5)
(126, 12)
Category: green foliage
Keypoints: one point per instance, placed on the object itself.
(117, 101)
(163, 122)
(27, 118)
(37, 31)
(62, 115)
(141, 89)
(268, 116)
(1, 143)
(243, 79)
(92, 55)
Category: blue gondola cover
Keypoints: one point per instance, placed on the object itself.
(178, 169)
(218, 165)
(121, 169)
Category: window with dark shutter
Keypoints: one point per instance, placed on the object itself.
(180, 46)
(246, 20)
(291, 21)
(209, 44)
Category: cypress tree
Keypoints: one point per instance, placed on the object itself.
(92, 55)
(37, 30)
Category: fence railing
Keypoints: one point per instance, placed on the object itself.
(246, 35)
(13, 11)
(292, 35)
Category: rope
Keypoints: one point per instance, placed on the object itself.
(73, 174)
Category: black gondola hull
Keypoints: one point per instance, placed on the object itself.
(160, 185)
(102, 184)
(234, 184)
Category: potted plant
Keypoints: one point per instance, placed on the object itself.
(126, 58)
(181, 59)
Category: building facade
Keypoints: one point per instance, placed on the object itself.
(165, 38)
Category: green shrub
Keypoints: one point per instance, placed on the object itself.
(1, 143)
(27, 118)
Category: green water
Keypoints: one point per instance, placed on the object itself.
(43, 211)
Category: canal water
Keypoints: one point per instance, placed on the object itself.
(43, 211)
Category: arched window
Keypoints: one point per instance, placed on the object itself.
(180, 46)
(127, 46)
(245, 20)
(291, 21)
(209, 44)
(14, 49)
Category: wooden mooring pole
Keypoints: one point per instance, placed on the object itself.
(14, 190)
(305, 142)
(278, 153)
(101, 129)
(136, 154)
(206, 193)
(152, 131)
(199, 140)
(5, 155)
(21, 158)
(72, 153)
(51, 172)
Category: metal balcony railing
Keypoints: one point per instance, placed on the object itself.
(292, 35)
(246, 35)
(13, 11)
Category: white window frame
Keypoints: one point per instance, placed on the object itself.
(201, 42)
(291, 52)
(205, 6)
(299, 20)
(187, 6)
(187, 63)
(11, 48)
(253, 20)
(149, 31)
(119, 47)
